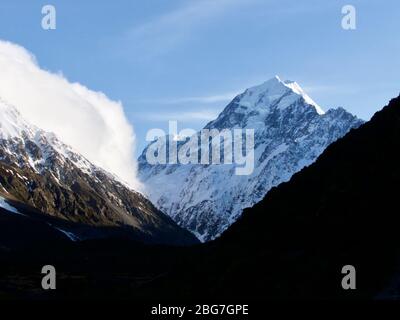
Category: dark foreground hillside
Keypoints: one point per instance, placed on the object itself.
(342, 210)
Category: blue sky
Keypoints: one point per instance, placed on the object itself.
(184, 60)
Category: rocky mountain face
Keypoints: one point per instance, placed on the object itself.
(39, 171)
(290, 132)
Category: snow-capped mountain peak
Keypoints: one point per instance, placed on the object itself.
(11, 123)
(14, 130)
(275, 91)
(290, 132)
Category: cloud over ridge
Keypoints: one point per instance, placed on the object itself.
(89, 121)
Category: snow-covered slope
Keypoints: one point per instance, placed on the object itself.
(291, 131)
(14, 129)
(39, 170)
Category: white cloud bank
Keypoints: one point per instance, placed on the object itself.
(87, 120)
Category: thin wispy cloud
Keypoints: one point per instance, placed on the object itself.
(188, 116)
(320, 88)
(332, 89)
(207, 99)
(223, 97)
(166, 31)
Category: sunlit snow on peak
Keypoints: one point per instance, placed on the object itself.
(276, 91)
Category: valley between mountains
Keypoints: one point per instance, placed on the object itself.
(180, 202)
(323, 195)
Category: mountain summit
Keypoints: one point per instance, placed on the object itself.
(276, 91)
(290, 132)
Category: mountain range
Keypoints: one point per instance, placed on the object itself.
(341, 210)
